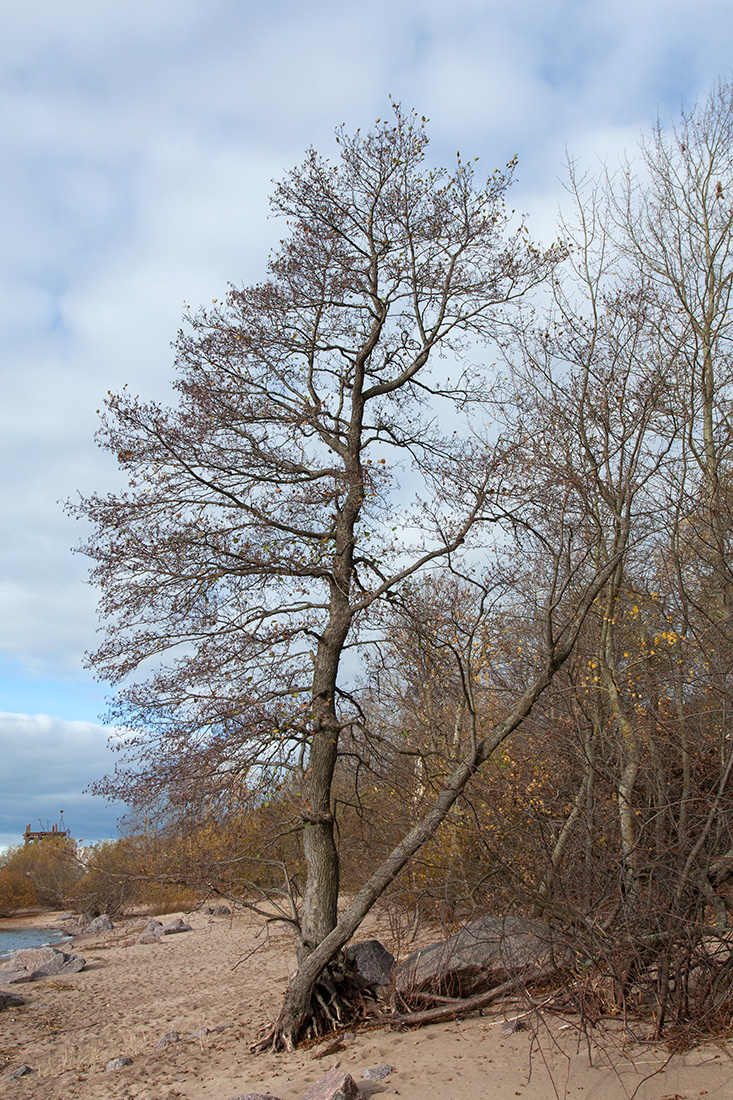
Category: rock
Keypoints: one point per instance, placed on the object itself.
(480, 956)
(167, 1040)
(10, 1000)
(100, 924)
(510, 1026)
(218, 910)
(336, 1085)
(377, 1073)
(153, 928)
(200, 1033)
(14, 977)
(65, 916)
(117, 1063)
(28, 958)
(254, 1096)
(148, 937)
(373, 964)
(21, 1071)
(176, 926)
(31, 963)
(60, 964)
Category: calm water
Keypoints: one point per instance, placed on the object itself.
(12, 939)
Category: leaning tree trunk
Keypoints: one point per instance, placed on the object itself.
(297, 1008)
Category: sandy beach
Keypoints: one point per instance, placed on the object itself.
(224, 977)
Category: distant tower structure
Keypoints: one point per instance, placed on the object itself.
(31, 836)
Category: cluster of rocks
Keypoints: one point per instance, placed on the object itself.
(335, 1085)
(154, 931)
(31, 963)
(478, 958)
(77, 924)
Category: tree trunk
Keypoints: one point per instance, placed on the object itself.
(296, 1010)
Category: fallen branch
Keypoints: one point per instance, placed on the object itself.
(468, 1004)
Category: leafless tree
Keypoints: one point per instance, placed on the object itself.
(316, 458)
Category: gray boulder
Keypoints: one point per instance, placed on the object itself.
(61, 963)
(372, 963)
(480, 956)
(31, 963)
(10, 1000)
(28, 958)
(13, 977)
(100, 924)
(336, 1085)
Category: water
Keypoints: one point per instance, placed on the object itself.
(12, 939)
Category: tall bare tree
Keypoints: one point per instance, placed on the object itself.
(316, 458)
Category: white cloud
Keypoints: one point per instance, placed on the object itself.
(139, 141)
(47, 764)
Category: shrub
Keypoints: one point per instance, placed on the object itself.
(16, 892)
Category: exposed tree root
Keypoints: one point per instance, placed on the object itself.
(335, 999)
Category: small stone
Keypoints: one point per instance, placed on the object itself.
(21, 1071)
(254, 1096)
(117, 1063)
(510, 1026)
(176, 926)
(10, 1000)
(218, 910)
(167, 1039)
(376, 1073)
(336, 1085)
(201, 1033)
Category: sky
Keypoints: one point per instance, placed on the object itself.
(140, 142)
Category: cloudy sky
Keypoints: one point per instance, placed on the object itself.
(139, 142)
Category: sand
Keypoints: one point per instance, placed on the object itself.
(223, 976)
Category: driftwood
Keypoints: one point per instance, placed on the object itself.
(462, 1006)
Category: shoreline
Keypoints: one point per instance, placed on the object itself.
(39, 926)
(30, 918)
